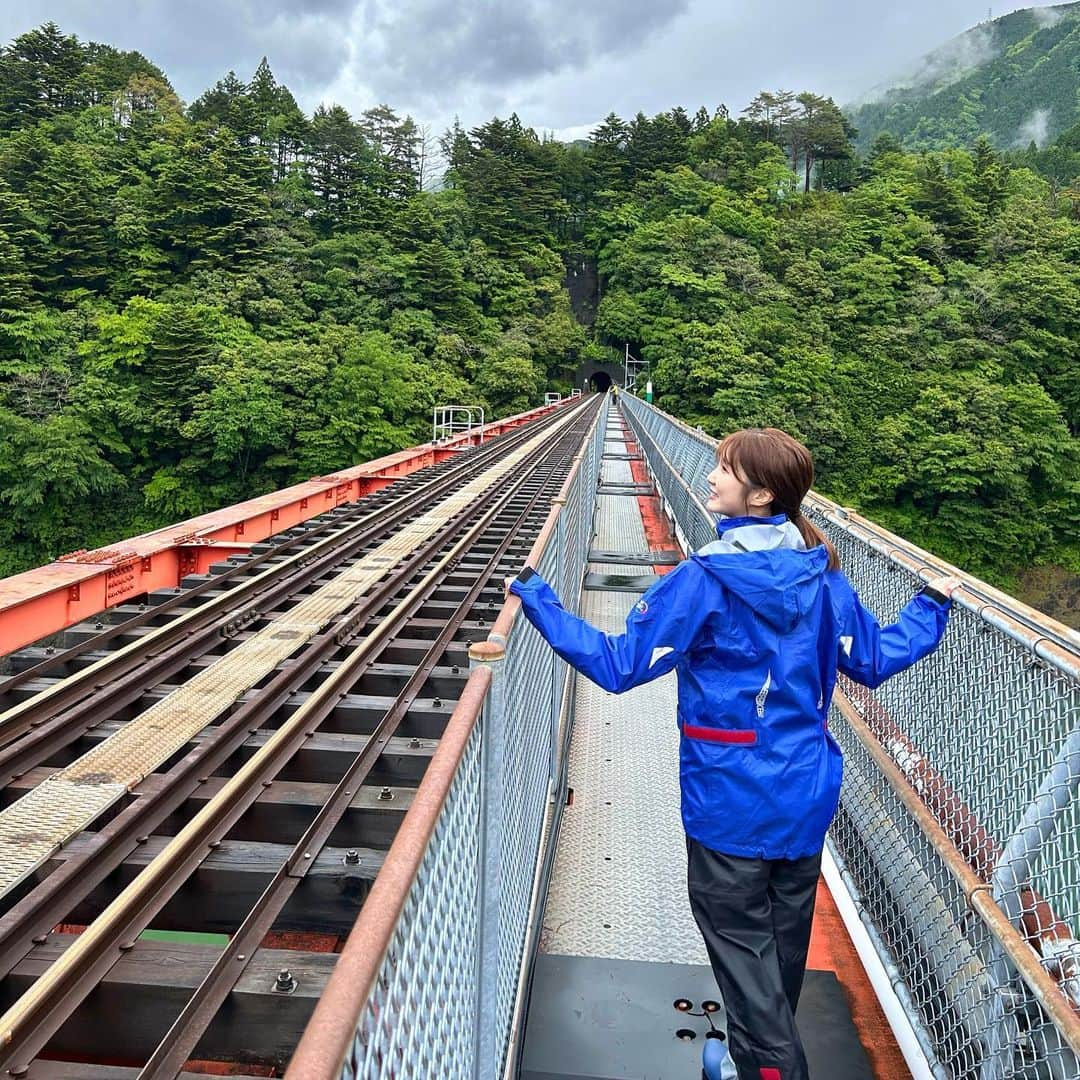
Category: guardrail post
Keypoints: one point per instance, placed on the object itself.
(491, 653)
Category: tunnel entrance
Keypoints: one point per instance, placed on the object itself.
(600, 381)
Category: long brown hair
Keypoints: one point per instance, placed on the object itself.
(771, 459)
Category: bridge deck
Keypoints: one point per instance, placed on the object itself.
(619, 944)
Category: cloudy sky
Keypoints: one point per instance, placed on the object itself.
(562, 65)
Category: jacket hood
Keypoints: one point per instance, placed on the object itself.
(767, 565)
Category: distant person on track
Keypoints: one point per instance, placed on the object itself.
(756, 625)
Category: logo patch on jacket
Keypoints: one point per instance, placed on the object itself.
(641, 607)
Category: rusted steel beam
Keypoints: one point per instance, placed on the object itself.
(38, 1014)
(977, 892)
(980, 850)
(329, 1035)
(49, 598)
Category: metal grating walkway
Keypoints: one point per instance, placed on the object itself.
(605, 899)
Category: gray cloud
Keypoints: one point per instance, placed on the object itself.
(560, 64)
(951, 62)
(1033, 129)
(1047, 16)
(463, 44)
(196, 42)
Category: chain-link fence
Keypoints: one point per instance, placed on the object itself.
(958, 829)
(419, 1020)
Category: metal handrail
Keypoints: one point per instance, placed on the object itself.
(1050, 639)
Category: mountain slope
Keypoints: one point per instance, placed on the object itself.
(1015, 79)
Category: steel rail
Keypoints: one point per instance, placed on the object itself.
(18, 719)
(180, 1041)
(327, 521)
(36, 728)
(28, 1024)
(313, 527)
(49, 902)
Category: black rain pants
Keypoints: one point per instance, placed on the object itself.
(755, 917)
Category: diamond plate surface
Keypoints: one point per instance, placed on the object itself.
(36, 825)
(69, 801)
(607, 896)
(618, 524)
(616, 472)
(619, 884)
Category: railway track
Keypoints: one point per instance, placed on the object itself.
(235, 761)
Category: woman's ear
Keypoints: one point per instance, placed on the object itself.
(760, 497)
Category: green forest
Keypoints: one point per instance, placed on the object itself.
(1013, 79)
(202, 303)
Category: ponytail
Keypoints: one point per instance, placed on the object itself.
(814, 537)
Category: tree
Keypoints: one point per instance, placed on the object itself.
(281, 128)
(227, 103)
(70, 196)
(818, 132)
(38, 75)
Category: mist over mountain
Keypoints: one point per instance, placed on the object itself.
(1014, 79)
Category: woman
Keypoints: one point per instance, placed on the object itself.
(756, 626)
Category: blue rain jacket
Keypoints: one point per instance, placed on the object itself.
(756, 627)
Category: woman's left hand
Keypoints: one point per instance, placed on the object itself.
(945, 585)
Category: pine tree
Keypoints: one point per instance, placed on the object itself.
(441, 286)
(281, 127)
(69, 195)
(227, 102)
(20, 248)
(609, 151)
(180, 345)
(334, 159)
(38, 76)
(991, 175)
